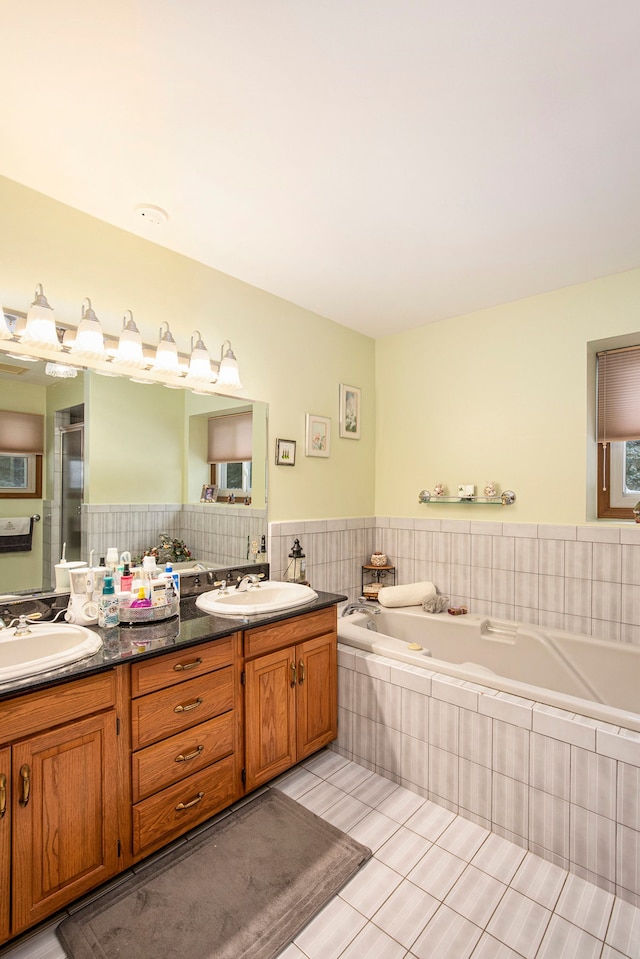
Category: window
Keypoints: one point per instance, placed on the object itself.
(20, 475)
(232, 477)
(618, 432)
(230, 451)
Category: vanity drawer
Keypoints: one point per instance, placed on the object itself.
(171, 710)
(173, 759)
(172, 668)
(267, 639)
(175, 810)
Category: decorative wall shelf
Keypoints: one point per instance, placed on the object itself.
(507, 498)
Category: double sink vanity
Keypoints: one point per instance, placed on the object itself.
(109, 758)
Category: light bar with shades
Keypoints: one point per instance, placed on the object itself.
(37, 335)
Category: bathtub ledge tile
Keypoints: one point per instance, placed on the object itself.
(508, 708)
(452, 690)
(563, 725)
(622, 744)
(376, 666)
(415, 678)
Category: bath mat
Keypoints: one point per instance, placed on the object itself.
(241, 889)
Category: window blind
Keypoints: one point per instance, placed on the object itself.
(619, 395)
(230, 438)
(21, 432)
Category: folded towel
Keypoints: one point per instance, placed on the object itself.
(413, 594)
(15, 525)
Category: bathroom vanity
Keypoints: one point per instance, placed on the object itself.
(108, 760)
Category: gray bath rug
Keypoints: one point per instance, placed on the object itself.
(242, 889)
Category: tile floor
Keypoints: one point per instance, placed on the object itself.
(437, 885)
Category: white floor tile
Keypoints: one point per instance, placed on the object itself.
(346, 813)
(437, 872)
(447, 936)
(540, 880)
(624, 929)
(519, 923)
(350, 777)
(476, 895)
(329, 934)
(564, 939)
(490, 948)
(585, 905)
(298, 783)
(403, 850)
(406, 913)
(374, 790)
(370, 887)
(374, 830)
(325, 763)
(499, 857)
(321, 798)
(401, 804)
(463, 838)
(430, 820)
(373, 943)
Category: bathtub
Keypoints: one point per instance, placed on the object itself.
(574, 672)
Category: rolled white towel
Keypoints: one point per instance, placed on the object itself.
(413, 594)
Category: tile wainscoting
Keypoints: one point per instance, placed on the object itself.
(585, 579)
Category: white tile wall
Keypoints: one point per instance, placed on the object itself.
(561, 785)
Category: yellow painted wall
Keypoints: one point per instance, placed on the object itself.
(497, 395)
(289, 357)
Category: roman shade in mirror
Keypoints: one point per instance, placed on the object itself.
(21, 432)
(230, 438)
(619, 395)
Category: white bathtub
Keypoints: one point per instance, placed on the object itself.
(578, 673)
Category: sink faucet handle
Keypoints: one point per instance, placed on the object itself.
(222, 583)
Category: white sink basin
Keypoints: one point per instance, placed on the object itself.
(269, 597)
(46, 646)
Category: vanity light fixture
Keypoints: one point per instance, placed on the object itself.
(166, 360)
(89, 340)
(40, 328)
(129, 351)
(228, 374)
(87, 347)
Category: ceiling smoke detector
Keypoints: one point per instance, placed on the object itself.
(154, 215)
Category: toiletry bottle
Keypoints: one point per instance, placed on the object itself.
(108, 605)
(175, 576)
(126, 579)
(142, 601)
(112, 557)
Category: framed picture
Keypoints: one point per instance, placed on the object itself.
(350, 397)
(318, 435)
(285, 452)
(209, 494)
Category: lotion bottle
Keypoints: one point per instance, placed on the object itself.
(108, 606)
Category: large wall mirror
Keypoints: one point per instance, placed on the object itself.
(123, 463)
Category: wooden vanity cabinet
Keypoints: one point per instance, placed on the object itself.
(291, 701)
(59, 829)
(186, 740)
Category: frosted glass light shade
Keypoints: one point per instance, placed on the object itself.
(129, 352)
(199, 363)
(89, 341)
(229, 374)
(40, 328)
(166, 353)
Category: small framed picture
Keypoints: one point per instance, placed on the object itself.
(350, 397)
(209, 494)
(318, 435)
(285, 452)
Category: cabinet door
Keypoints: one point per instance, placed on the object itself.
(270, 722)
(65, 833)
(317, 695)
(5, 840)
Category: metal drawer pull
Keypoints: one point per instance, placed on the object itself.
(181, 667)
(188, 805)
(293, 674)
(3, 794)
(301, 668)
(185, 709)
(25, 775)
(185, 759)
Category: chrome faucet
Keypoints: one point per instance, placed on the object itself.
(251, 580)
(360, 607)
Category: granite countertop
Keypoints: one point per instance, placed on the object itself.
(123, 644)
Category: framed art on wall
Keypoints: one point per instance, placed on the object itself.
(350, 397)
(318, 435)
(209, 494)
(285, 452)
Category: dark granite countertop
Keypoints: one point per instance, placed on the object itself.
(123, 644)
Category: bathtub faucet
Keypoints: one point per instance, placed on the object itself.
(360, 607)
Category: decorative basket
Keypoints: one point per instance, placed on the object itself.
(379, 559)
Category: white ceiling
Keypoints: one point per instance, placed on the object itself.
(384, 163)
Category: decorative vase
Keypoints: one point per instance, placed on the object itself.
(378, 559)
